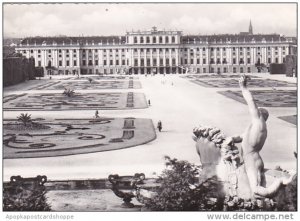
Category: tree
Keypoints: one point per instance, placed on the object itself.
(24, 118)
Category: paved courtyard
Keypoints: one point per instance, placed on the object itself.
(181, 105)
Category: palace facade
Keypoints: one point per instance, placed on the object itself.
(159, 52)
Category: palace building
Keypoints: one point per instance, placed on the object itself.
(159, 52)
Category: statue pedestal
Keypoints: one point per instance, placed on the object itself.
(220, 157)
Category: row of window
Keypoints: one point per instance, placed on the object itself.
(191, 54)
(143, 70)
(234, 70)
(169, 70)
(155, 39)
(224, 61)
(233, 48)
(90, 63)
(161, 62)
(224, 70)
(75, 50)
(154, 62)
(154, 49)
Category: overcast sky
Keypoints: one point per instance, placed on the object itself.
(23, 20)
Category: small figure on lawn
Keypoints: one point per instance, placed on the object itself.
(159, 126)
(97, 114)
(149, 103)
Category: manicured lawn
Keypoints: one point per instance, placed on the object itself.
(80, 101)
(62, 137)
(267, 98)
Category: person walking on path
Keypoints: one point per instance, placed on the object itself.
(149, 103)
(159, 126)
(97, 114)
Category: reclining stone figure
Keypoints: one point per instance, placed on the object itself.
(241, 169)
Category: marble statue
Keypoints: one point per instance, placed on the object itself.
(239, 166)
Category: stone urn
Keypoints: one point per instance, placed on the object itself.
(124, 187)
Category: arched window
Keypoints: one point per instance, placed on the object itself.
(141, 40)
(167, 39)
(160, 39)
(154, 39)
(135, 40)
(147, 40)
(173, 39)
(49, 64)
(258, 61)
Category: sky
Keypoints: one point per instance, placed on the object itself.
(25, 20)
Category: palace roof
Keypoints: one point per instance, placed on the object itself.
(93, 40)
(185, 39)
(238, 38)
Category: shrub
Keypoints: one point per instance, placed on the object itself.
(20, 201)
(69, 92)
(178, 189)
(286, 199)
(20, 195)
